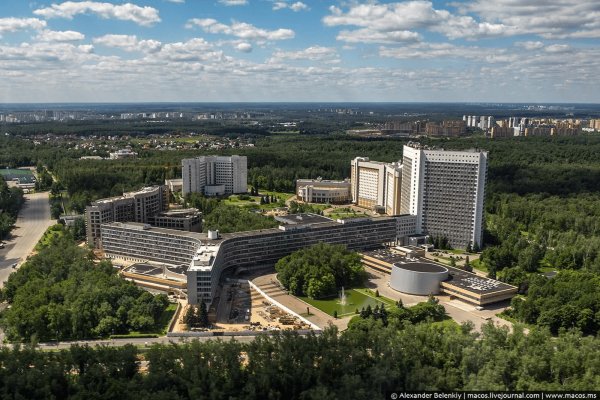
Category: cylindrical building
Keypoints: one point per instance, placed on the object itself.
(419, 278)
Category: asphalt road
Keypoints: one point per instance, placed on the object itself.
(33, 221)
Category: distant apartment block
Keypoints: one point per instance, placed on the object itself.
(122, 154)
(136, 206)
(445, 190)
(174, 185)
(446, 128)
(323, 191)
(376, 185)
(215, 175)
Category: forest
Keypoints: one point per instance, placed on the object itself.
(61, 294)
(354, 364)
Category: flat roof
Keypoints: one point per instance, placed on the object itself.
(474, 283)
(302, 219)
(421, 267)
(456, 277)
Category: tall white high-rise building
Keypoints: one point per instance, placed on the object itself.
(376, 184)
(215, 175)
(445, 190)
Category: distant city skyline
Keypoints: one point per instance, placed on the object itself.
(306, 51)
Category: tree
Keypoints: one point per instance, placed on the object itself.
(78, 229)
(335, 314)
(203, 315)
(452, 262)
(468, 267)
(191, 318)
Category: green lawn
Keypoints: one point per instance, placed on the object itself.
(479, 266)
(253, 203)
(356, 299)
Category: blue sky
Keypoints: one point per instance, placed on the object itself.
(320, 50)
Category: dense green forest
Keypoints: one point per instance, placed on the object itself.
(356, 364)
(60, 293)
(320, 270)
(11, 201)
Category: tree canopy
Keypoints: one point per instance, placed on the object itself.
(320, 270)
(60, 293)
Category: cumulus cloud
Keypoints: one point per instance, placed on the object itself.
(18, 24)
(297, 6)
(144, 16)
(59, 36)
(234, 2)
(388, 22)
(176, 1)
(241, 30)
(546, 18)
(129, 43)
(244, 47)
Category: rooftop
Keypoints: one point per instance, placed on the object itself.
(303, 219)
(421, 267)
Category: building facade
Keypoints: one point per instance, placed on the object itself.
(323, 191)
(376, 185)
(445, 190)
(215, 175)
(208, 255)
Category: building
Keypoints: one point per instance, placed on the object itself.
(133, 206)
(447, 128)
(174, 185)
(188, 219)
(502, 131)
(122, 154)
(323, 191)
(419, 276)
(445, 190)
(208, 255)
(215, 175)
(376, 185)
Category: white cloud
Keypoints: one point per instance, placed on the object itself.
(176, 1)
(59, 36)
(234, 2)
(546, 18)
(18, 24)
(313, 53)
(297, 6)
(388, 22)
(367, 35)
(129, 43)
(240, 29)
(530, 45)
(144, 16)
(244, 47)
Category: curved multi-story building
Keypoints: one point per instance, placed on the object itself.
(209, 255)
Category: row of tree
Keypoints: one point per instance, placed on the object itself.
(356, 364)
(11, 201)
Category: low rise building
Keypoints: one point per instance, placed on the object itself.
(122, 154)
(323, 191)
(188, 219)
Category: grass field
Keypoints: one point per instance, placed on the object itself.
(355, 299)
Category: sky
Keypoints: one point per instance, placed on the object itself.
(287, 50)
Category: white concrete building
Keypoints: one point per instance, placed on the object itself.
(376, 185)
(323, 191)
(122, 154)
(215, 175)
(445, 190)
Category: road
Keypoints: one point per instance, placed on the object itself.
(32, 222)
(140, 342)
